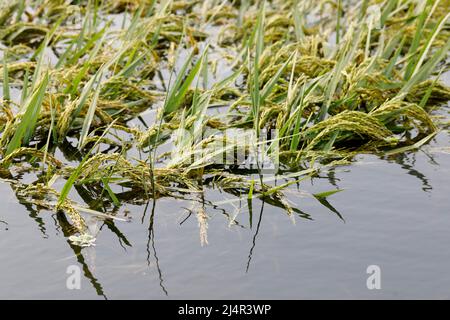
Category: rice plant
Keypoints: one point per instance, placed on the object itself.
(157, 103)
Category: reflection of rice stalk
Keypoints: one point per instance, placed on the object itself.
(4, 223)
(84, 79)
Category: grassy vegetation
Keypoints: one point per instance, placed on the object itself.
(93, 91)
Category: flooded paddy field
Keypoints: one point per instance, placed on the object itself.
(224, 150)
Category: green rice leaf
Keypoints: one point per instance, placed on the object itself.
(29, 118)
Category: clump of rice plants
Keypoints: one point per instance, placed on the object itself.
(127, 101)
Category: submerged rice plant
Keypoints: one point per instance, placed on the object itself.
(128, 101)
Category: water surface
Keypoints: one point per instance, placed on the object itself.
(395, 214)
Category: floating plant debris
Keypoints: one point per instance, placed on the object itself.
(83, 240)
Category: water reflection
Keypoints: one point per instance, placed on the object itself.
(69, 230)
(64, 226)
(407, 161)
(258, 225)
(151, 243)
(123, 241)
(331, 176)
(238, 211)
(4, 225)
(34, 214)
